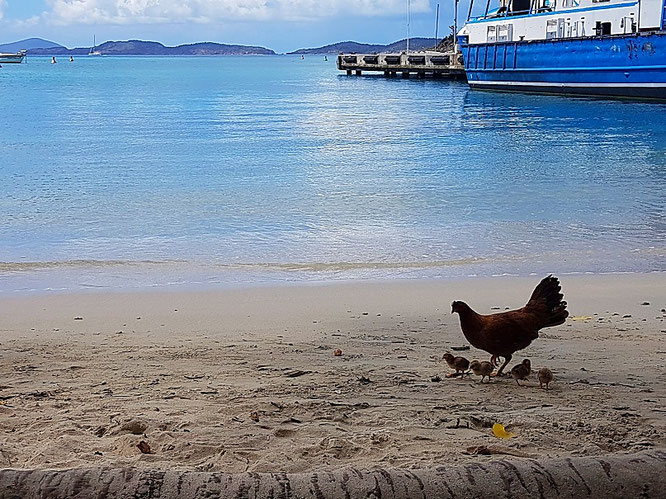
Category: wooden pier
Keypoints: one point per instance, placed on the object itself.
(421, 64)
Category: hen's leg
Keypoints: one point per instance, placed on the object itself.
(507, 359)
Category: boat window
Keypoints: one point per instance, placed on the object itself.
(500, 11)
(552, 28)
(602, 28)
(628, 24)
(520, 7)
(599, 1)
(492, 34)
(544, 6)
(505, 33)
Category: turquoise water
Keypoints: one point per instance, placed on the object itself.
(132, 172)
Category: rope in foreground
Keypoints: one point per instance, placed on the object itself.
(614, 476)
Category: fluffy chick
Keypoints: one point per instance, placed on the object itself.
(545, 377)
(522, 370)
(460, 364)
(482, 369)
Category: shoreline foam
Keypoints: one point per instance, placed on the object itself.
(22, 278)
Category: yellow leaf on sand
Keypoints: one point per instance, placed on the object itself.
(500, 432)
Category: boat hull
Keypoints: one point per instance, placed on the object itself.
(618, 66)
(11, 59)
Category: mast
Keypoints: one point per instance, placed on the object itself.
(437, 27)
(409, 20)
(455, 25)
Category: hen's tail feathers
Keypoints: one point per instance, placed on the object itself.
(547, 300)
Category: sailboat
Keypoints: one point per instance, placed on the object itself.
(93, 50)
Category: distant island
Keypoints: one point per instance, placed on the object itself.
(36, 46)
(39, 46)
(367, 48)
(28, 44)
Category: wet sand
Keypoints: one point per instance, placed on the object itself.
(247, 380)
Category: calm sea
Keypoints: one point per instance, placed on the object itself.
(133, 172)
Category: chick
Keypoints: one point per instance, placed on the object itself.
(545, 377)
(460, 364)
(522, 370)
(482, 369)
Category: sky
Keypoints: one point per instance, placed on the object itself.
(282, 25)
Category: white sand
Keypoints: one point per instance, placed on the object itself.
(190, 368)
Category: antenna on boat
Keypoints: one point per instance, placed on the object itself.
(437, 27)
(409, 20)
(455, 24)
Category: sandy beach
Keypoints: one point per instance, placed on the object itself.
(247, 380)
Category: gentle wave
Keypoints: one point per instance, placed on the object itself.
(306, 267)
(32, 266)
(343, 266)
(316, 267)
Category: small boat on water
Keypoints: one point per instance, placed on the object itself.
(16, 58)
(590, 47)
(93, 50)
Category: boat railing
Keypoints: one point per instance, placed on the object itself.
(512, 8)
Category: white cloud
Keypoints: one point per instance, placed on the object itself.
(3, 3)
(210, 11)
(28, 23)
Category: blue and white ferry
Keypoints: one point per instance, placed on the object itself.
(588, 47)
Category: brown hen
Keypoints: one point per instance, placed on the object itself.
(503, 334)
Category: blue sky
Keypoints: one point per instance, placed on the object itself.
(282, 25)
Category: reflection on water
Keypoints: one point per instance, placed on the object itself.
(281, 164)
